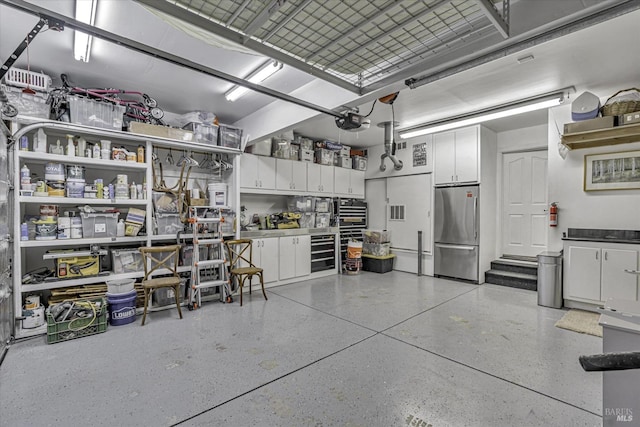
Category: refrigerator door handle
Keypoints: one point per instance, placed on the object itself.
(475, 213)
(460, 247)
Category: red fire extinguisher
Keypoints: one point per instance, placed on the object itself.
(553, 214)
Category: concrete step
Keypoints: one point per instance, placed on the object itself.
(515, 266)
(512, 279)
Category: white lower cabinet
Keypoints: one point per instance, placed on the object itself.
(595, 272)
(295, 256)
(265, 256)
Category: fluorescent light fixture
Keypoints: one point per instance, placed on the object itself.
(259, 75)
(86, 13)
(506, 110)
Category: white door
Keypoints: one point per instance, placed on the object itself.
(524, 201)
(283, 174)
(326, 178)
(413, 195)
(376, 191)
(357, 183)
(342, 181)
(249, 171)
(299, 175)
(266, 167)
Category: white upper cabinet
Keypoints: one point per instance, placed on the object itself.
(349, 182)
(319, 178)
(456, 155)
(257, 172)
(291, 175)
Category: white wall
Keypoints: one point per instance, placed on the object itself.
(615, 209)
(524, 139)
(406, 155)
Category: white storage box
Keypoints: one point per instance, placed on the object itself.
(359, 163)
(323, 220)
(205, 134)
(126, 261)
(97, 225)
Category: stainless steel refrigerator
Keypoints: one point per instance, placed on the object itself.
(456, 232)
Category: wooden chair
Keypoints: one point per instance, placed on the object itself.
(155, 258)
(241, 267)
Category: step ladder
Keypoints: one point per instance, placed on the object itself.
(208, 271)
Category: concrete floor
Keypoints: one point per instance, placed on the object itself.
(367, 350)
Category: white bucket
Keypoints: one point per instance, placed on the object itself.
(64, 227)
(217, 194)
(33, 318)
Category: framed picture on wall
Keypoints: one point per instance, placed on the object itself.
(612, 171)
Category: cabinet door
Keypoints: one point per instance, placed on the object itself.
(287, 258)
(616, 283)
(357, 183)
(299, 176)
(326, 179)
(269, 258)
(249, 171)
(314, 177)
(266, 167)
(303, 255)
(466, 157)
(583, 273)
(283, 174)
(342, 181)
(444, 158)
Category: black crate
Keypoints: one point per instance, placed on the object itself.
(377, 264)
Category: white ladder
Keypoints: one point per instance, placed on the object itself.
(211, 271)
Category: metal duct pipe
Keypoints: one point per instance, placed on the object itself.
(389, 147)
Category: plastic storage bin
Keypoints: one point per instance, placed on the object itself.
(85, 111)
(376, 249)
(323, 220)
(377, 264)
(168, 223)
(300, 203)
(165, 202)
(96, 225)
(205, 134)
(307, 220)
(126, 261)
(77, 328)
(323, 204)
(376, 236)
(164, 296)
(229, 136)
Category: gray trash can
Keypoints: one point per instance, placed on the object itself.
(550, 279)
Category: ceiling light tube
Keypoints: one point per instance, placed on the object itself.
(506, 110)
(86, 13)
(259, 75)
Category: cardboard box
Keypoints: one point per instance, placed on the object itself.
(160, 131)
(629, 118)
(134, 221)
(591, 124)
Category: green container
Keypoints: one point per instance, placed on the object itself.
(77, 328)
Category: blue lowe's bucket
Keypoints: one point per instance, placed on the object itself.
(122, 308)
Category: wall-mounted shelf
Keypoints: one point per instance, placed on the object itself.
(602, 137)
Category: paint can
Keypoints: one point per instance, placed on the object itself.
(64, 227)
(33, 318)
(54, 172)
(76, 227)
(46, 229)
(75, 188)
(75, 172)
(32, 301)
